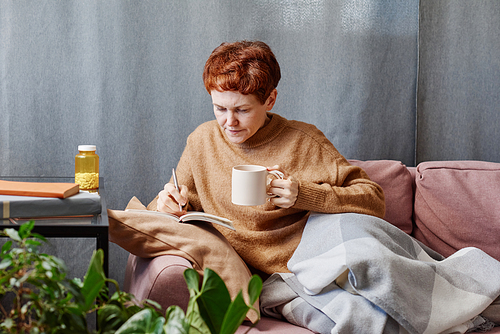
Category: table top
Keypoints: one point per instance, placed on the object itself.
(82, 222)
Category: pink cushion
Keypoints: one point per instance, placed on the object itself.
(397, 183)
(457, 204)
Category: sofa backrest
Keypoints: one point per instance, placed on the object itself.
(397, 183)
(447, 205)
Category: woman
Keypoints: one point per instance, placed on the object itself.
(241, 78)
(378, 266)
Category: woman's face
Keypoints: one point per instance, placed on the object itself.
(241, 116)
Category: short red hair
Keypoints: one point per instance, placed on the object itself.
(246, 67)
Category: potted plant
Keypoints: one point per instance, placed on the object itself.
(44, 300)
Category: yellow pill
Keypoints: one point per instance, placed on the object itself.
(87, 181)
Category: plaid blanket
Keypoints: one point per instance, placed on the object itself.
(359, 274)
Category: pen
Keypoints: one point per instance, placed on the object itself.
(176, 186)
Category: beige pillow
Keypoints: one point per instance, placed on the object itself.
(146, 234)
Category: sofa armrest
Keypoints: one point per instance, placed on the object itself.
(159, 279)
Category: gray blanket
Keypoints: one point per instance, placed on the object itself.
(359, 274)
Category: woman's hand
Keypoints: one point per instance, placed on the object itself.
(287, 190)
(169, 199)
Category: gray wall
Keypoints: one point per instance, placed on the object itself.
(384, 79)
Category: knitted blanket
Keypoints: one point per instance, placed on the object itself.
(359, 274)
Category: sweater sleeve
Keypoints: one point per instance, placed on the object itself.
(353, 191)
(328, 183)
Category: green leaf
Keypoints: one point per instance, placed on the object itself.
(158, 325)
(33, 242)
(145, 321)
(13, 234)
(213, 301)
(73, 323)
(192, 279)
(25, 229)
(94, 280)
(5, 264)
(176, 322)
(235, 315)
(193, 316)
(8, 323)
(110, 317)
(6, 247)
(254, 288)
(38, 236)
(152, 303)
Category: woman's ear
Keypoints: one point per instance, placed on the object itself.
(271, 100)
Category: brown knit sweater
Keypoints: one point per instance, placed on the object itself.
(266, 236)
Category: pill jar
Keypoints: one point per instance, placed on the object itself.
(87, 168)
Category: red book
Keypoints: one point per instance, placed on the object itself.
(38, 189)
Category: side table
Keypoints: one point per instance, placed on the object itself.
(69, 227)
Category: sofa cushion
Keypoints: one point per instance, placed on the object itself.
(149, 234)
(397, 183)
(457, 204)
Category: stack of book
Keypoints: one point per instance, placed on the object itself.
(47, 202)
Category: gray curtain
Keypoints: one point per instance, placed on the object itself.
(406, 80)
(459, 81)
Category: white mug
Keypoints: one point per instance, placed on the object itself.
(249, 184)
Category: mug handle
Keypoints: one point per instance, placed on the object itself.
(277, 174)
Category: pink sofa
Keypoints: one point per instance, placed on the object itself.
(447, 205)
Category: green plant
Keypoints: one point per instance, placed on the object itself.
(45, 301)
